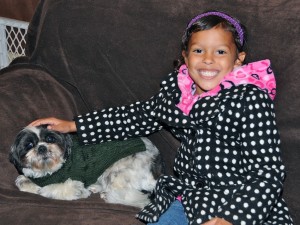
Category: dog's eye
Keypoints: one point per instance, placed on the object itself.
(28, 146)
(50, 139)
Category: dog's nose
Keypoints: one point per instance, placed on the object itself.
(42, 149)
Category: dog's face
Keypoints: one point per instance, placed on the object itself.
(38, 151)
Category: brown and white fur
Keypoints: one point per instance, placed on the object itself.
(38, 152)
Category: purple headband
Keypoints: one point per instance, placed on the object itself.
(231, 20)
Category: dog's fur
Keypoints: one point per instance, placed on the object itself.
(38, 152)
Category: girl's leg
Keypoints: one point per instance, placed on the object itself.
(173, 216)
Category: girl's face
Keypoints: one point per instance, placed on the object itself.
(210, 56)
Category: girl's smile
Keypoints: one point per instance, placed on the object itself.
(208, 74)
(210, 56)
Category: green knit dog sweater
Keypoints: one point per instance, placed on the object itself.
(86, 163)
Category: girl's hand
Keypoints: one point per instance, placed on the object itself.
(56, 124)
(217, 221)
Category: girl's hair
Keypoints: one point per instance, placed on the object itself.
(208, 20)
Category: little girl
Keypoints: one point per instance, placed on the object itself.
(229, 163)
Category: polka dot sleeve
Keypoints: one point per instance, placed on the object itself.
(118, 123)
(262, 165)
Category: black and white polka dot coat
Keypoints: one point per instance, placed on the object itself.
(229, 162)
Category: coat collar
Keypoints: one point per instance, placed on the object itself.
(257, 73)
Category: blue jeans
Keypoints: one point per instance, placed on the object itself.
(173, 216)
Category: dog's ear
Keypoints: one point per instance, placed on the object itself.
(14, 160)
(15, 151)
(68, 144)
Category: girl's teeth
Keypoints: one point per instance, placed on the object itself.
(208, 73)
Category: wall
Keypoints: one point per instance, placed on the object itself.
(18, 9)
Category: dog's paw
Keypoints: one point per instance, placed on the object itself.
(94, 188)
(69, 190)
(26, 185)
(79, 190)
(21, 180)
(103, 195)
(98, 188)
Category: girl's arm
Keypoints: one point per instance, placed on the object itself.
(118, 123)
(261, 163)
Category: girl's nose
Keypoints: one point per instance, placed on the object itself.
(208, 59)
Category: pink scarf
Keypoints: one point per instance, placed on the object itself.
(256, 73)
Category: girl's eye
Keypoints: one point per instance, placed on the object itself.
(221, 52)
(198, 51)
(50, 139)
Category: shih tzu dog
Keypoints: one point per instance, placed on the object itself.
(41, 154)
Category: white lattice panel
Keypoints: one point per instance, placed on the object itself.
(12, 40)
